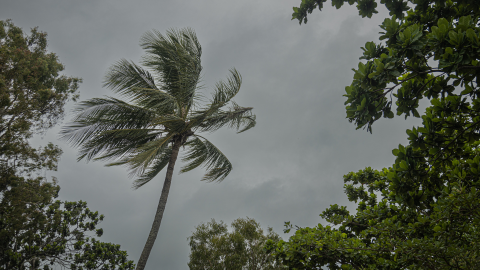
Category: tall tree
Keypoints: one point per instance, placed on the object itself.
(37, 231)
(213, 247)
(163, 113)
(423, 212)
(32, 98)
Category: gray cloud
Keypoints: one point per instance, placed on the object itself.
(288, 168)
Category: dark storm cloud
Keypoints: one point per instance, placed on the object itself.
(288, 168)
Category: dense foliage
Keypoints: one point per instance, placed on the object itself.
(423, 212)
(214, 247)
(32, 98)
(163, 112)
(37, 231)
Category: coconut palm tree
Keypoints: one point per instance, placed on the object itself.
(163, 112)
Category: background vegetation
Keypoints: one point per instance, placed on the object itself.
(37, 231)
(423, 211)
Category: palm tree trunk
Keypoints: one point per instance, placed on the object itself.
(160, 208)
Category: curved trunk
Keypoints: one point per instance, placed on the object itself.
(160, 209)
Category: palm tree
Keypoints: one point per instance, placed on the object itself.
(164, 111)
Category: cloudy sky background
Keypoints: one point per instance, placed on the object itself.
(288, 168)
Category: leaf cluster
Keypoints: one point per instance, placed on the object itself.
(32, 98)
(213, 246)
(32, 91)
(39, 232)
(423, 211)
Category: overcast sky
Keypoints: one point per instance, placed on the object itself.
(290, 167)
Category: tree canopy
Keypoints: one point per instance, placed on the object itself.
(423, 212)
(37, 231)
(214, 247)
(32, 99)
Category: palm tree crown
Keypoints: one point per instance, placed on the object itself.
(163, 109)
(163, 112)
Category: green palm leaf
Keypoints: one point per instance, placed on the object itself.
(176, 57)
(203, 152)
(109, 111)
(159, 163)
(147, 153)
(170, 123)
(224, 93)
(108, 124)
(240, 118)
(114, 144)
(126, 75)
(134, 82)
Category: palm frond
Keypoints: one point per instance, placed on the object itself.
(240, 118)
(125, 75)
(131, 80)
(171, 123)
(176, 58)
(224, 93)
(156, 100)
(105, 114)
(203, 152)
(114, 144)
(159, 163)
(147, 153)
